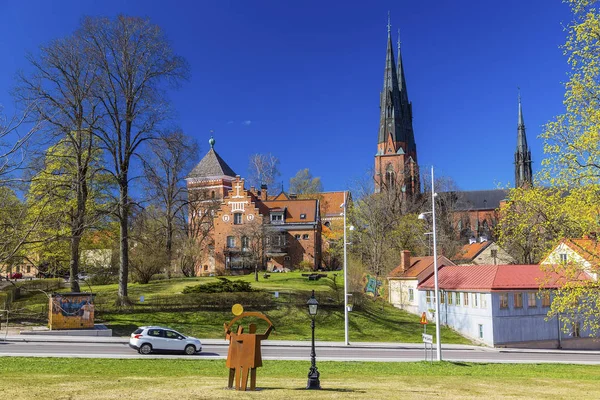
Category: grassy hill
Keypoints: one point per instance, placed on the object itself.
(282, 298)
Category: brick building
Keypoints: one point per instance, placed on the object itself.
(247, 227)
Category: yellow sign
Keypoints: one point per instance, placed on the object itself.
(423, 319)
(237, 309)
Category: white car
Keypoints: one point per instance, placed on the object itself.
(147, 339)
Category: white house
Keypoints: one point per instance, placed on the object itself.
(584, 253)
(484, 252)
(404, 279)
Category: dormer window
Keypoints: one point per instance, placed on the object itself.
(277, 217)
(302, 216)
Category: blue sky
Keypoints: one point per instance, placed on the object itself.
(302, 79)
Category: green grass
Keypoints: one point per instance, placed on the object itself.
(59, 378)
(368, 322)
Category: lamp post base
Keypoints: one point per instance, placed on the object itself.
(313, 379)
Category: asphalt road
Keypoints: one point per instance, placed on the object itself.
(302, 352)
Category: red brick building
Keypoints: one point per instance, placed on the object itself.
(248, 227)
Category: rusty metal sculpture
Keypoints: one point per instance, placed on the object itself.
(244, 354)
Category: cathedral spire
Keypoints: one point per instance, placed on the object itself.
(523, 174)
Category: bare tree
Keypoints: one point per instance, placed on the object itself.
(60, 93)
(255, 239)
(263, 169)
(134, 60)
(148, 252)
(164, 169)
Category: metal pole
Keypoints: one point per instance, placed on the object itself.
(346, 338)
(313, 373)
(438, 338)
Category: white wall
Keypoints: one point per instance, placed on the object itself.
(399, 294)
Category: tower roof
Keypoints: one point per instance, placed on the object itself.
(212, 165)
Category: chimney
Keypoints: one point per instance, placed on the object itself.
(404, 260)
(253, 190)
(482, 239)
(472, 240)
(263, 192)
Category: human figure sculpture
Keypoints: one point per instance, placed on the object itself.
(244, 354)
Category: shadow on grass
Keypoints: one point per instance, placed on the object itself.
(333, 390)
(460, 364)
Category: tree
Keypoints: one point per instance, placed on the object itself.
(148, 251)
(255, 238)
(571, 140)
(54, 200)
(134, 60)
(60, 93)
(304, 183)
(164, 169)
(263, 169)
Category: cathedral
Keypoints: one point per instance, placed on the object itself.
(396, 161)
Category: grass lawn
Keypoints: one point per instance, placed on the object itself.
(369, 321)
(55, 378)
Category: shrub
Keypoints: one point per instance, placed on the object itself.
(305, 265)
(223, 285)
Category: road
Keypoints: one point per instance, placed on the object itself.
(296, 351)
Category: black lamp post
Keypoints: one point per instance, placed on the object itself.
(313, 372)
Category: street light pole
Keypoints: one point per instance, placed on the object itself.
(435, 275)
(313, 373)
(346, 338)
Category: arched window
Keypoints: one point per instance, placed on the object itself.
(390, 178)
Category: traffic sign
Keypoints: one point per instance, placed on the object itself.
(427, 338)
(423, 319)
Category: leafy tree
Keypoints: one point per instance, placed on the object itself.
(12, 226)
(571, 140)
(263, 169)
(304, 183)
(134, 60)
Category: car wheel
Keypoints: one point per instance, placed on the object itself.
(145, 349)
(190, 350)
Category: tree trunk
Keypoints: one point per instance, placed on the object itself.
(124, 243)
(256, 272)
(74, 264)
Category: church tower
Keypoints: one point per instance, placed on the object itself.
(396, 158)
(523, 175)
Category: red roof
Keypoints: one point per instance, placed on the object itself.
(420, 267)
(469, 251)
(490, 278)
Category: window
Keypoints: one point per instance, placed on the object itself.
(276, 218)
(466, 299)
(245, 242)
(302, 216)
(576, 330)
(230, 241)
(287, 258)
(206, 267)
(156, 332)
(531, 302)
(172, 335)
(483, 300)
(503, 300)
(428, 296)
(237, 218)
(305, 236)
(475, 300)
(518, 297)
(450, 298)
(297, 236)
(494, 253)
(411, 294)
(546, 300)
(480, 331)
(18, 268)
(442, 298)
(563, 258)
(457, 299)
(212, 194)
(29, 269)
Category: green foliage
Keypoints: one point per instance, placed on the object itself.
(305, 265)
(304, 183)
(222, 285)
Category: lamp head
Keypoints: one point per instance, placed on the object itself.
(421, 216)
(313, 305)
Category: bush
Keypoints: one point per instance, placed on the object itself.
(223, 285)
(305, 265)
(103, 279)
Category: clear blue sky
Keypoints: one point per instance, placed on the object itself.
(302, 79)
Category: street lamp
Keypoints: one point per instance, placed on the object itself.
(345, 207)
(313, 372)
(435, 272)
